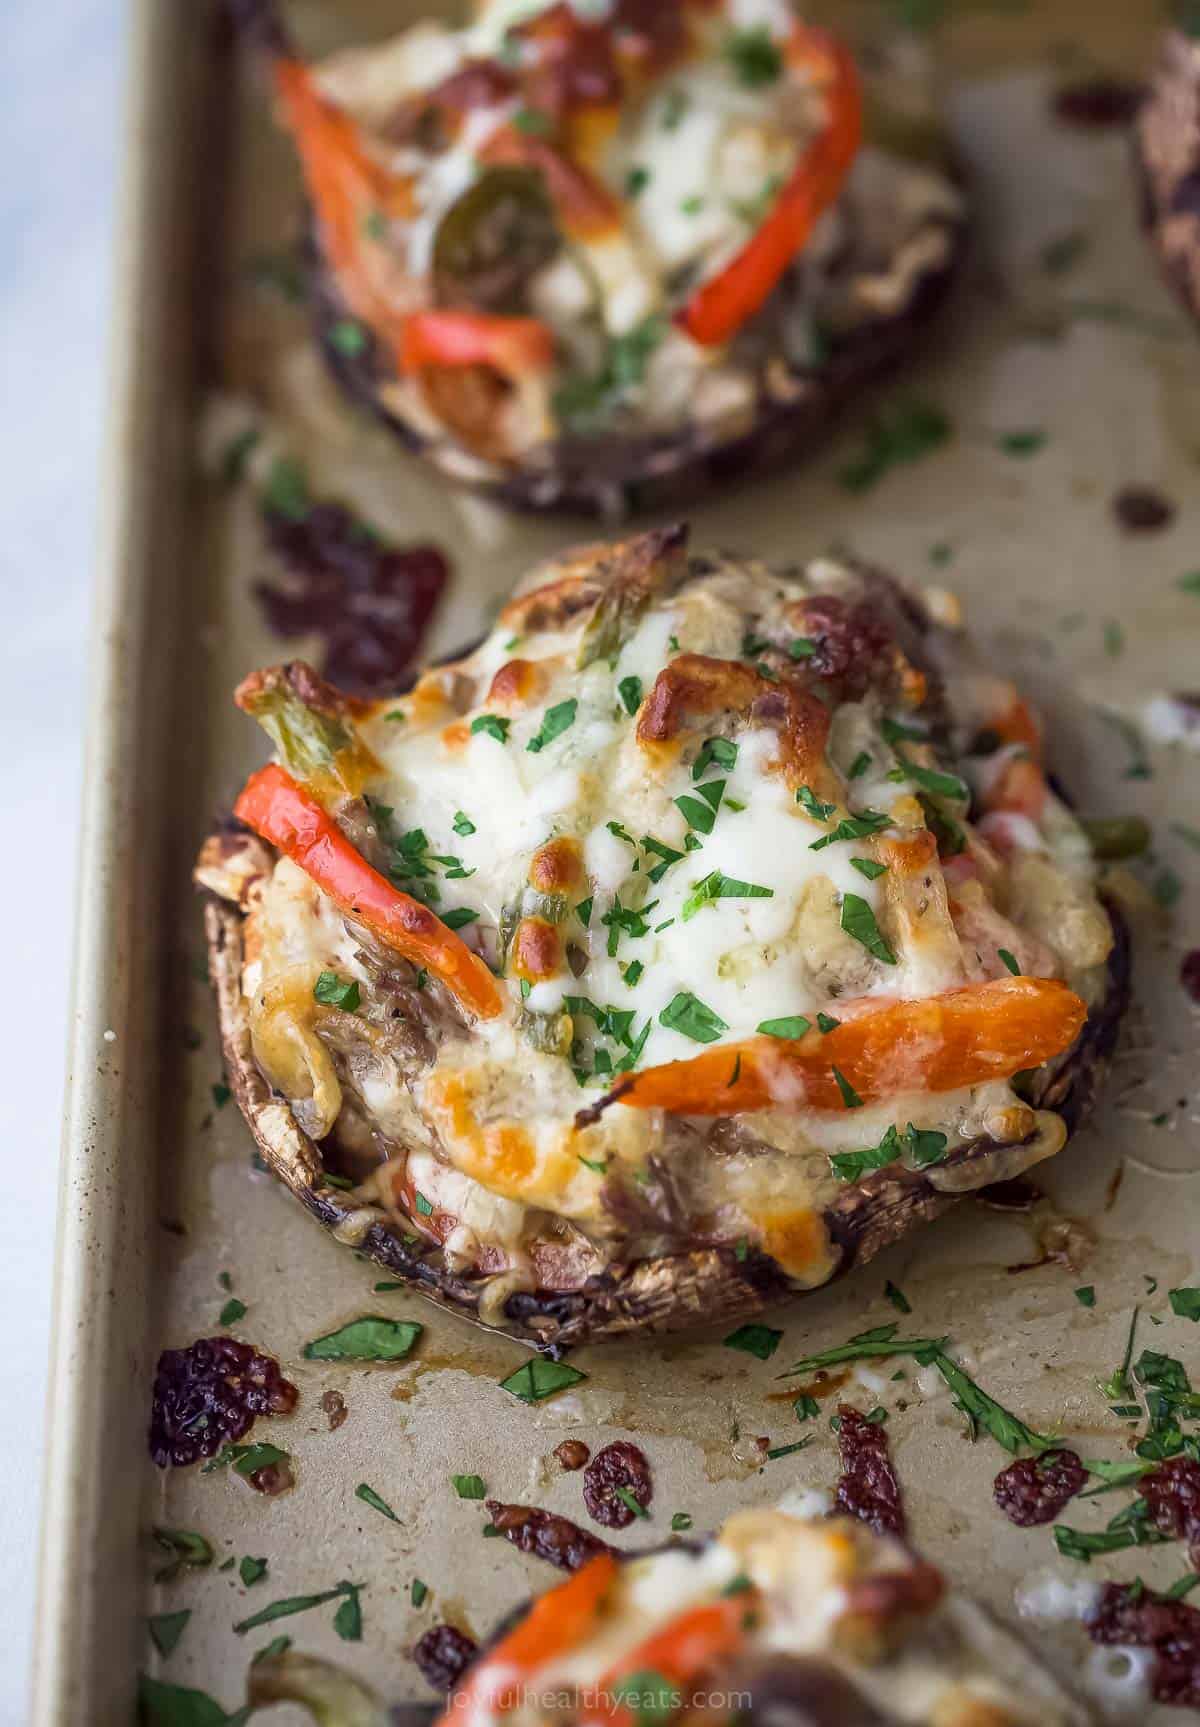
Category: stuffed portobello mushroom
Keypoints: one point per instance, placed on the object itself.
(596, 256)
(774, 1620)
(702, 931)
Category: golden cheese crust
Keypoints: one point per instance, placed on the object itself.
(792, 942)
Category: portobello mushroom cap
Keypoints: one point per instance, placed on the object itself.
(696, 1279)
(1167, 150)
(597, 265)
(796, 411)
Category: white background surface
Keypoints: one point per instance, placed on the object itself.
(60, 87)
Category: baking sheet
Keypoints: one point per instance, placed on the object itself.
(161, 1198)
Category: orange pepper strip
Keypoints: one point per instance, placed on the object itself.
(295, 823)
(512, 346)
(556, 1622)
(724, 303)
(676, 1656)
(960, 1038)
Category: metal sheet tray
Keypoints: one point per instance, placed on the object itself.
(159, 1196)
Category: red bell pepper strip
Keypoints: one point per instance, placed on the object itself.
(722, 305)
(514, 347)
(295, 823)
(943, 1043)
(555, 1623)
(674, 1658)
(346, 186)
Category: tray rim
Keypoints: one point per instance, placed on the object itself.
(78, 1670)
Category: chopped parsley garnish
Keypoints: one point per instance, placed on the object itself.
(221, 1094)
(584, 399)
(347, 1621)
(419, 1592)
(859, 827)
(539, 1378)
(232, 1311)
(692, 205)
(667, 854)
(630, 691)
(286, 491)
(1009, 961)
(858, 920)
(246, 1459)
(850, 1097)
(922, 1145)
(622, 920)
(469, 1486)
(493, 725)
(802, 648)
(754, 56)
(812, 805)
(859, 765)
(1185, 1303)
(686, 1014)
(252, 1570)
(868, 867)
(597, 1165)
(167, 1628)
(618, 832)
(459, 917)
(827, 1023)
(1117, 1385)
(701, 815)
(555, 721)
(931, 780)
(367, 1339)
(1086, 1296)
(806, 1407)
(722, 751)
(786, 1450)
(583, 911)
(791, 1025)
(630, 1501)
(904, 434)
(675, 105)
(897, 1297)
(348, 337)
(633, 972)
(680, 1520)
(896, 733)
(185, 1546)
(463, 824)
(335, 991)
(1023, 443)
(1083, 1544)
(717, 886)
(369, 1497)
(758, 1340)
(636, 181)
